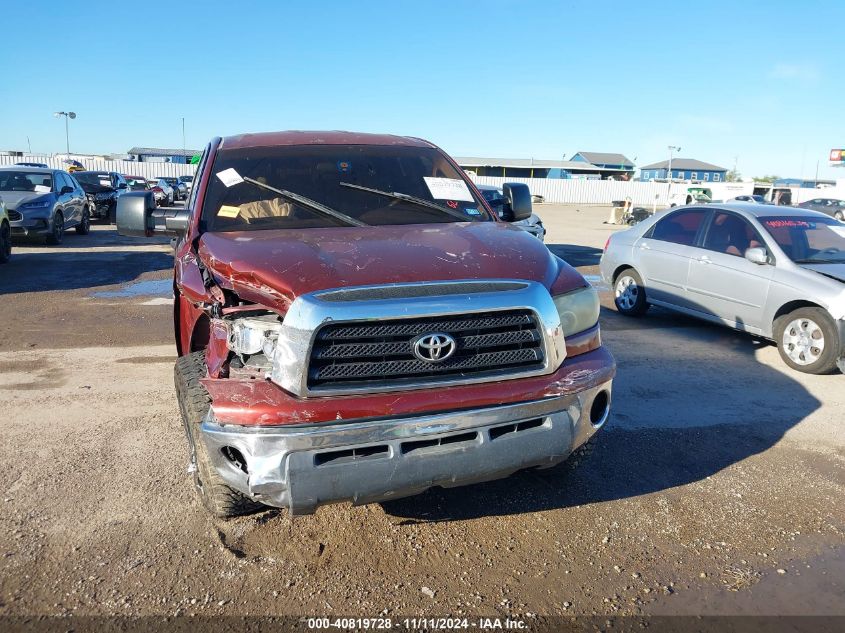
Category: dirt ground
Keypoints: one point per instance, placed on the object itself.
(717, 486)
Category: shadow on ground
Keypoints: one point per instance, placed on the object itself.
(575, 255)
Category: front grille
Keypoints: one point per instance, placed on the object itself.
(359, 354)
(14, 216)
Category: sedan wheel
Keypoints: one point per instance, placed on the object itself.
(5, 242)
(808, 340)
(629, 293)
(58, 232)
(839, 216)
(84, 226)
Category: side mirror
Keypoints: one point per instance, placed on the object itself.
(66, 189)
(517, 201)
(757, 255)
(137, 216)
(122, 185)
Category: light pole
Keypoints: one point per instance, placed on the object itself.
(671, 148)
(66, 115)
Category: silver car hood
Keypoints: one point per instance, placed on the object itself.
(835, 271)
(13, 199)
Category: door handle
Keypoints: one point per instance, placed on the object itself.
(704, 259)
(644, 247)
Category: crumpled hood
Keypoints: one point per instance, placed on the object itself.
(14, 199)
(275, 267)
(91, 187)
(837, 271)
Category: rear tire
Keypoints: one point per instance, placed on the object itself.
(84, 226)
(629, 294)
(58, 230)
(808, 340)
(5, 242)
(839, 215)
(219, 498)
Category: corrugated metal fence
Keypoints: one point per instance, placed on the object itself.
(147, 170)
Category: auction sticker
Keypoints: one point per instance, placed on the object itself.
(229, 177)
(447, 189)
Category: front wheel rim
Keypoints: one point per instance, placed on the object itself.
(627, 292)
(803, 341)
(58, 228)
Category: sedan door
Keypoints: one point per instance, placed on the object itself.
(664, 253)
(722, 281)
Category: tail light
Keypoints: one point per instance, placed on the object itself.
(158, 189)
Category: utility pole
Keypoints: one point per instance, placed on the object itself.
(671, 148)
(183, 139)
(67, 116)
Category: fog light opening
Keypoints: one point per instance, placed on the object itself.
(235, 457)
(599, 408)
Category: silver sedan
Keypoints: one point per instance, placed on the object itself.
(774, 272)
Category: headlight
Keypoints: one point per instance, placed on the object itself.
(578, 310)
(255, 335)
(38, 204)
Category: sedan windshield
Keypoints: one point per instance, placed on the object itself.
(808, 240)
(93, 178)
(369, 184)
(14, 180)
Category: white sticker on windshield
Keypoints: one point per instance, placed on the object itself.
(105, 183)
(229, 177)
(41, 189)
(448, 189)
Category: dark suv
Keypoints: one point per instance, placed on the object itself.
(102, 188)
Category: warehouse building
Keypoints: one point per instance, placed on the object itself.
(159, 155)
(611, 166)
(684, 169)
(528, 167)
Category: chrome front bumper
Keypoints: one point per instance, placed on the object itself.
(303, 467)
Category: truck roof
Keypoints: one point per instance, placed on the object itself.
(304, 137)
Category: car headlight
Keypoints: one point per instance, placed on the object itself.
(38, 204)
(578, 310)
(255, 335)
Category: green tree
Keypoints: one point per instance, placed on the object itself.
(767, 178)
(733, 176)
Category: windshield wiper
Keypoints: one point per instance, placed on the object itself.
(396, 195)
(309, 203)
(819, 261)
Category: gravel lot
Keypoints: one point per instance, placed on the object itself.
(717, 487)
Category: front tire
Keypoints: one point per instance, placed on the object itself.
(58, 230)
(5, 242)
(839, 215)
(84, 226)
(219, 498)
(629, 293)
(808, 340)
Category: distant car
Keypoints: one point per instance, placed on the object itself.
(165, 195)
(180, 189)
(5, 234)
(753, 199)
(103, 188)
(25, 164)
(691, 195)
(188, 182)
(771, 271)
(43, 203)
(494, 196)
(828, 206)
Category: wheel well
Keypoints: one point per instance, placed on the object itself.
(200, 333)
(786, 308)
(619, 271)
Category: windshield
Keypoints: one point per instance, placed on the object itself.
(35, 181)
(186, 178)
(323, 175)
(93, 178)
(169, 181)
(137, 184)
(808, 240)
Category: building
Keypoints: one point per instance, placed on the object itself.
(684, 169)
(611, 166)
(159, 155)
(528, 167)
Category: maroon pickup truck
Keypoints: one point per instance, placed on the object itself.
(355, 323)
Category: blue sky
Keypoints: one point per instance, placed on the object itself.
(759, 83)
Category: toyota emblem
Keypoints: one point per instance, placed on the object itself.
(434, 347)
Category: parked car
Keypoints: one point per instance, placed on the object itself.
(828, 206)
(355, 323)
(103, 188)
(690, 195)
(496, 199)
(771, 271)
(753, 199)
(180, 189)
(43, 203)
(164, 193)
(188, 181)
(26, 164)
(5, 234)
